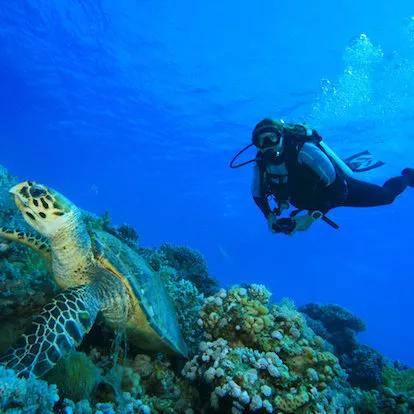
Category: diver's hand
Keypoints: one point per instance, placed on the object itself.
(304, 221)
(281, 225)
(283, 205)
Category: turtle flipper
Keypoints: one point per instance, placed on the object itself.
(35, 242)
(58, 329)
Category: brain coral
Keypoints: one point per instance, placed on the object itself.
(261, 356)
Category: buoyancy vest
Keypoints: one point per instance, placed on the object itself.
(296, 182)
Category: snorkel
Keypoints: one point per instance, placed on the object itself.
(267, 137)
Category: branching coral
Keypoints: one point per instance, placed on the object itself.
(261, 356)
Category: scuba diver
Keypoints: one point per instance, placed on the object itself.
(293, 166)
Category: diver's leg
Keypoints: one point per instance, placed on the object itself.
(364, 194)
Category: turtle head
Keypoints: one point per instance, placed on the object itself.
(44, 209)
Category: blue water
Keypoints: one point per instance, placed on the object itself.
(136, 107)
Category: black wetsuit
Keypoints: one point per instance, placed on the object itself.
(364, 194)
(312, 180)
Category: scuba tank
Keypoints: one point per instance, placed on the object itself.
(339, 162)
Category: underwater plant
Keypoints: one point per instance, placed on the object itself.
(76, 376)
(399, 380)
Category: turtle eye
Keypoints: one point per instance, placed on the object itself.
(24, 192)
(37, 191)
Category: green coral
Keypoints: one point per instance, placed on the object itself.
(383, 401)
(399, 380)
(76, 376)
(261, 356)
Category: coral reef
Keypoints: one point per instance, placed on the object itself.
(379, 386)
(384, 401)
(336, 324)
(399, 380)
(364, 366)
(340, 327)
(124, 232)
(246, 354)
(188, 302)
(25, 396)
(189, 264)
(165, 390)
(141, 385)
(261, 356)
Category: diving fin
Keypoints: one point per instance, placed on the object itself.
(363, 161)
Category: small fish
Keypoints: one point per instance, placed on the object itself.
(224, 253)
(95, 189)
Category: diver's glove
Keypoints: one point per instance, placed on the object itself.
(294, 223)
(304, 221)
(281, 225)
(273, 216)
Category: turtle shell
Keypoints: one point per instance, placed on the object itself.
(153, 324)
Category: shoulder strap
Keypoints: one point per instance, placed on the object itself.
(299, 134)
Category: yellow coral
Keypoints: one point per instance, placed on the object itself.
(290, 403)
(254, 346)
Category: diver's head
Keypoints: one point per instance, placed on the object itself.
(267, 137)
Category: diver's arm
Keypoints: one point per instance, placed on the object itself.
(263, 204)
(258, 193)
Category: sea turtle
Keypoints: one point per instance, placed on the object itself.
(98, 273)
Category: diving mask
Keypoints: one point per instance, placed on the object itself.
(267, 140)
